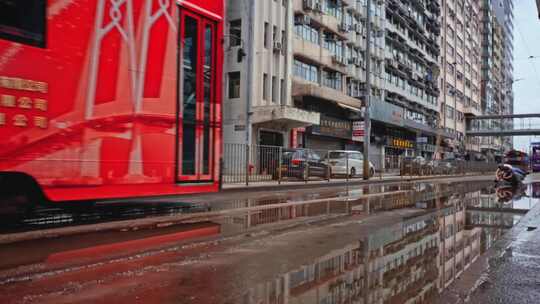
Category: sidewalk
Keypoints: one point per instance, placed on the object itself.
(508, 273)
(297, 184)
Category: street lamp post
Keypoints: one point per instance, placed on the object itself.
(367, 121)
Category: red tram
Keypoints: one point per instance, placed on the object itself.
(110, 98)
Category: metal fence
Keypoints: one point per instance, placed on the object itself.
(257, 163)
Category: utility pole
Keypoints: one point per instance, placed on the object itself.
(367, 120)
(249, 77)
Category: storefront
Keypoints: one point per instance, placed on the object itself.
(331, 134)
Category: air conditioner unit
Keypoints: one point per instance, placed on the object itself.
(277, 46)
(317, 7)
(309, 5)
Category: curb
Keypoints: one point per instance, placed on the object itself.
(284, 186)
(168, 220)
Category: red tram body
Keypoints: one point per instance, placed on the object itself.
(111, 98)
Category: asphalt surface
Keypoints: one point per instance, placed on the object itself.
(373, 244)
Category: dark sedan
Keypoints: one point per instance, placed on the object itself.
(302, 164)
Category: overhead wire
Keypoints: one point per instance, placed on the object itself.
(525, 44)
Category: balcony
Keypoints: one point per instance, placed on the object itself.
(302, 88)
(291, 116)
(316, 15)
(317, 54)
(471, 109)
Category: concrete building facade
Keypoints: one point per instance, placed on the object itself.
(460, 63)
(296, 74)
(497, 72)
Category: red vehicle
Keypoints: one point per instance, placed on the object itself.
(517, 159)
(109, 98)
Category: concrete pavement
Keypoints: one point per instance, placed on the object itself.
(509, 272)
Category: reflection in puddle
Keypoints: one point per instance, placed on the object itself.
(409, 264)
(328, 247)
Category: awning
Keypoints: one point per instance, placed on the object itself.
(347, 107)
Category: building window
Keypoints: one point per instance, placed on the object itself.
(305, 71)
(274, 34)
(450, 50)
(450, 112)
(24, 22)
(234, 85)
(265, 37)
(265, 86)
(307, 32)
(459, 59)
(235, 31)
(450, 32)
(333, 8)
(282, 89)
(274, 89)
(332, 80)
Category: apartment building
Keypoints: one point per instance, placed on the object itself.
(497, 71)
(257, 107)
(296, 71)
(504, 13)
(460, 64)
(296, 74)
(411, 70)
(329, 68)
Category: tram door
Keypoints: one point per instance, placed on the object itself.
(196, 96)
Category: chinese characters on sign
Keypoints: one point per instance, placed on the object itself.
(401, 143)
(358, 131)
(23, 111)
(334, 127)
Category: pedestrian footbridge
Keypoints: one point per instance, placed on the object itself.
(504, 125)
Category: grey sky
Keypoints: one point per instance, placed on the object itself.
(526, 43)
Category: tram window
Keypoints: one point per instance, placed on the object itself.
(23, 21)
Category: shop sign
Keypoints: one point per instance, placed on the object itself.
(387, 113)
(239, 127)
(358, 129)
(422, 140)
(333, 127)
(296, 137)
(401, 143)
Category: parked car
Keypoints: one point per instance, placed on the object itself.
(442, 167)
(302, 164)
(415, 166)
(339, 159)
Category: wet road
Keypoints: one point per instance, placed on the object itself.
(377, 244)
(510, 271)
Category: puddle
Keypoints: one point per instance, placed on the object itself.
(288, 248)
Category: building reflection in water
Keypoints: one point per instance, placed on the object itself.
(406, 263)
